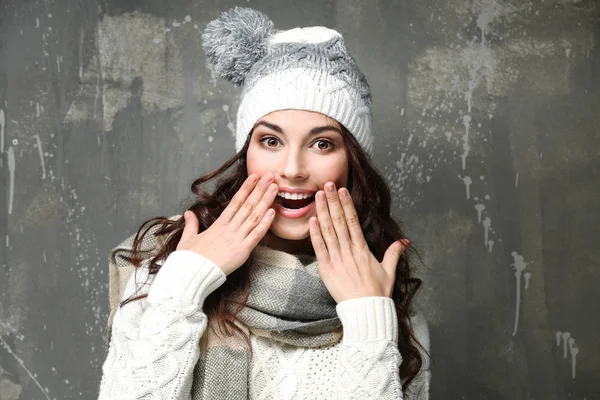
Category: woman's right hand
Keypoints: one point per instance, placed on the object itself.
(229, 241)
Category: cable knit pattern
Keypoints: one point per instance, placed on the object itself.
(370, 359)
(154, 346)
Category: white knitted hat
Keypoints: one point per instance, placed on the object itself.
(302, 68)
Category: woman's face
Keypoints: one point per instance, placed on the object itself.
(303, 150)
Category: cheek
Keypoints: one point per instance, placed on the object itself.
(336, 172)
(254, 164)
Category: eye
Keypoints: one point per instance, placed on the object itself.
(267, 141)
(269, 138)
(329, 144)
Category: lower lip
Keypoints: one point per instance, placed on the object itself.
(299, 213)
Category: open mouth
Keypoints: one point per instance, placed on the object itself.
(294, 204)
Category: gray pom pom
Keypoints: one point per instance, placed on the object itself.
(235, 41)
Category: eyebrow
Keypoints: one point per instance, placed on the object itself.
(313, 131)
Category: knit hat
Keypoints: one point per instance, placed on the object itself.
(302, 68)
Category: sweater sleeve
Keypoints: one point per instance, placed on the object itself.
(369, 359)
(154, 344)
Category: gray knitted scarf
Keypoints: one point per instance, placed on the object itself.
(288, 303)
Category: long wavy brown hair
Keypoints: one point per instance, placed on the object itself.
(372, 199)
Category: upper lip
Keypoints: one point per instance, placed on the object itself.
(290, 190)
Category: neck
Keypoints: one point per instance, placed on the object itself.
(303, 246)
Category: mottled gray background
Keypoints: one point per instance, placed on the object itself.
(487, 115)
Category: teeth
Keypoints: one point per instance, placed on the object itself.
(294, 196)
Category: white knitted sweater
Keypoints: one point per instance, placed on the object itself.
(363, 365)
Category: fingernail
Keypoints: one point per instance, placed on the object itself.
(273, 188)
(329, 187)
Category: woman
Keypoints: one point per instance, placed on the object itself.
(272, 286)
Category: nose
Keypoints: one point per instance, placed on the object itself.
(293, 166)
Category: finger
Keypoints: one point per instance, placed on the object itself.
(392, 256)
(317, 240)
(238, 200)
(251, 202)
(356, 234)
(326, 225)
(259, 211)
(337, 216)
(259, 231)
(191, 226)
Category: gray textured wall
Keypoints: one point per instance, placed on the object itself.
(487, 115)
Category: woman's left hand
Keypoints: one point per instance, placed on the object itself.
(347, 266)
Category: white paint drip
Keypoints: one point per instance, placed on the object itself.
(491, 10)
(2, 125)
(229, 124)
(11, 171)
(520, 265)
(44, 391)
(487, 223)
(479, 207)
(517, 180)
(466, 147)
(37, 109)
(81, 38)
(467, 181)
(527, 276)
(574, 351)
(490, 245)
(39, 146)
(565, 337)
